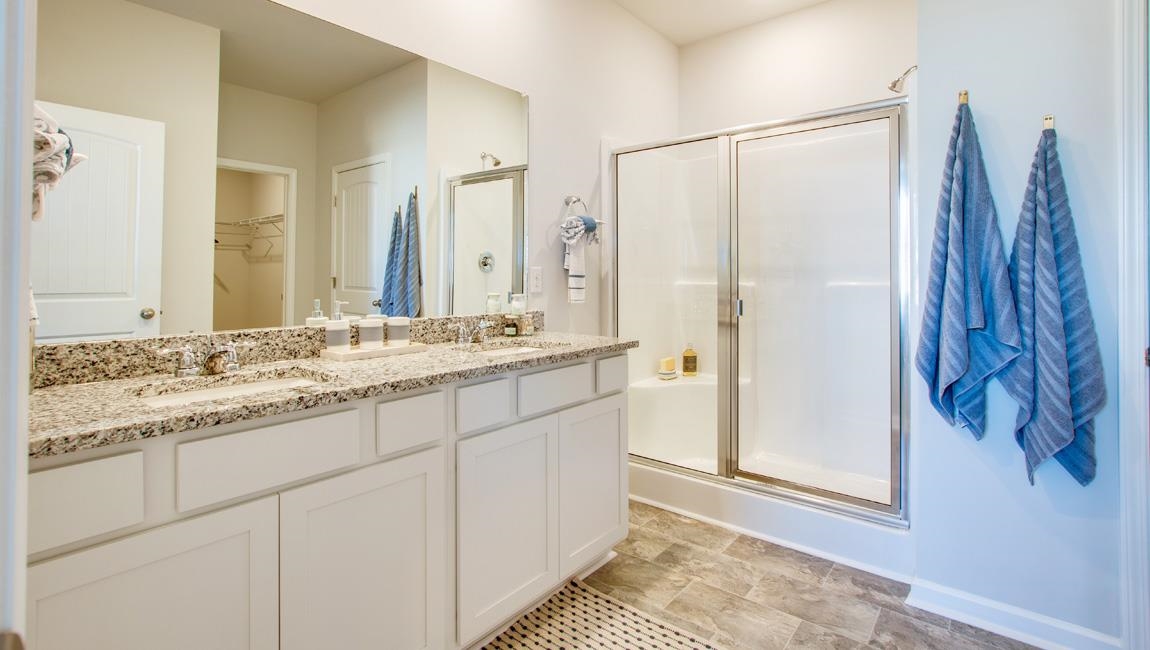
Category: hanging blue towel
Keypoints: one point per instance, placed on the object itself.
(390, 294)
(411, 275)
(1057, 380)
(969, 326)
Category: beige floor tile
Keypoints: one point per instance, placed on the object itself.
(629, 576)
(685, 529)
(737, 622)
(988, 638)
(813, 637)
(894, 631)
(779, 559)
(715, 569)
(644, 543)
(878, 590)
(641, 513)
(830, 609)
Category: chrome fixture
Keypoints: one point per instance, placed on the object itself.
(469, 335)
(187, 366)
(896, 85)
(484, 156)
(224, 357)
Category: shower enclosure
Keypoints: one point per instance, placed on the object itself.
(779, 253)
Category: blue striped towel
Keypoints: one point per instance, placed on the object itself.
(1058, 380)
(410, 301)
(969, 326)
(390, 294)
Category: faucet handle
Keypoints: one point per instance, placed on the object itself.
(187, 365)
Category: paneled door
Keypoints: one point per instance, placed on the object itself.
(95, 259)
(361, 228)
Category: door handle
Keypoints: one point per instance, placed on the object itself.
(377, 302)
(147, 313)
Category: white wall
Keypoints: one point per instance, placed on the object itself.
(119, 57)
(981, 530)
(260, 127)
(833, 54)
(387, 114)
(466, 116)
(590, 69)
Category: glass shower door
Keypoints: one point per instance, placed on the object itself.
(816, 228)
(667, 229)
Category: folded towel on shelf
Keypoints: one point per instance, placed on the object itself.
(410, 275)
(389, 297)
(1058, 379)
(52, 156)
(573, 233)
(969, 325)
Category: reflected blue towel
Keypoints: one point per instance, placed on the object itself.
(1057, 380)
(390, 295)
(969, 326)
(411, 275)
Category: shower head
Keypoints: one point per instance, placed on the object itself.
(896, 85)
(495, 162)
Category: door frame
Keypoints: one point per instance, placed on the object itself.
(1134, 329)
(17, 61)
(336, 170)
(291, 178)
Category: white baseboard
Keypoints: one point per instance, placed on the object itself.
(1010, 621)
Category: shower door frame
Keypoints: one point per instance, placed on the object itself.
(726, 142)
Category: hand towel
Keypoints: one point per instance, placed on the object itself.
(1057, 380)
(411, 275)
(969, 325)
(52, 156)
(572, 232)
(389, 297)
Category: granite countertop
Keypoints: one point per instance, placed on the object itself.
(86, 416)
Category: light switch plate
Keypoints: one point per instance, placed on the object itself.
(535, 279)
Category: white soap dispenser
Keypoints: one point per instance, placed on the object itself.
(337, 309)
(317, 319)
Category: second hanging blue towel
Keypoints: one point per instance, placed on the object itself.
(1057, 380)
(969, 325)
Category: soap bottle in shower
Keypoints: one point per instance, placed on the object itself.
(690, 361)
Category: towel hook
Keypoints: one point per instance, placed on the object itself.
(963, 97)
(1048, 121)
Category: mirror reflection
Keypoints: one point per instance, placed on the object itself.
(245, 160)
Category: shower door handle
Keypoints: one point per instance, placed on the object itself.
(738, 307)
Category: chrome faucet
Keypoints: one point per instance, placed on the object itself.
(223, 357)
(469, 335)
(188, 366)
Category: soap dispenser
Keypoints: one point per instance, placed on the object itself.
(317, 319)
(337, 309)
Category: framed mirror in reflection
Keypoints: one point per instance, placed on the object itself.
(245, 159)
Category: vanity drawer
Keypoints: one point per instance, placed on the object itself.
(410, 422)
(482, 405)
(60, 510)
(225, 467)
(611, 374)
(551, 389)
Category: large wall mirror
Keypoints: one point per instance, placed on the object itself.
(245, 159)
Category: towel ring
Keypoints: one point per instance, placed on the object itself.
(572, 200)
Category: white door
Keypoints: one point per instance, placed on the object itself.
(360, 232)
(362, 558)
(95, 256)
(208, 582)
(507, 538)
(592, 481)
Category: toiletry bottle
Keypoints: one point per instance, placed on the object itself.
(338, 336)
(398, 331)
(337, 309)
(494, 304)
(510, 328)
(317, 319)
(690, 361)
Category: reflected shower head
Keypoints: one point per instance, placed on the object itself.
(897, 85)
(495, 162)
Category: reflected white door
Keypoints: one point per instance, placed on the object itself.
(95, 258)
(360, 231)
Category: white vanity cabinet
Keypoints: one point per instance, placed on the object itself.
(508, 522)
(362, 557)
(206, 582)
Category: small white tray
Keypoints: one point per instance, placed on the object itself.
(358, 354)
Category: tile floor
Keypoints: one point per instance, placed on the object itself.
(742, 592)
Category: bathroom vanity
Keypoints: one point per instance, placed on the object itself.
(419, 501)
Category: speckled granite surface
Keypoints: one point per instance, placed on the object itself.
(77, 363)
(67, 418)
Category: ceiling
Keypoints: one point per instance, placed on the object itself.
(687, 21)
(269, 47)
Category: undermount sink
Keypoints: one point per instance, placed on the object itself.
(204, 389)
(498, 348)
(506, 352)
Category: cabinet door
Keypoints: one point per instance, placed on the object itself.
(207, 582)
(508, 522)
(362, 558)
(592, 481)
